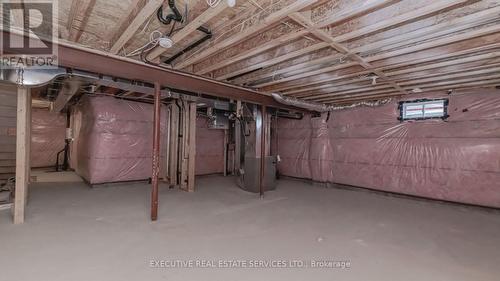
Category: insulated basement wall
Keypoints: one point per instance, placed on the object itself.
(456, 160)
(8, 115)
(115, 140)
(48, 133)
(209, 148)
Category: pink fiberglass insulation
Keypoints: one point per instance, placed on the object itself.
(116, 139)
(48, 133)
(209, 148)
(455, 160)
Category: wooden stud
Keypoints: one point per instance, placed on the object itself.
(22, 153)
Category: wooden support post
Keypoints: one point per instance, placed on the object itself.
(28, 144)
(23, 143)
(192, 147)
(156, 153)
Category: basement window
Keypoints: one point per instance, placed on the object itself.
(423, 109)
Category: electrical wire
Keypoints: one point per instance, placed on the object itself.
(213, 3)
(238, 26)
(154, 41)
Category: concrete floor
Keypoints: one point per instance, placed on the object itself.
(76, 233)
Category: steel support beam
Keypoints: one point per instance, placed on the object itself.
(90, 60)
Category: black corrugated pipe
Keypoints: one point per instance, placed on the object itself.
(208, 35)
(176, 16)
(168, 19)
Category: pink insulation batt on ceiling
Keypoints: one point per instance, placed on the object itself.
(457, 159)
(115, 140)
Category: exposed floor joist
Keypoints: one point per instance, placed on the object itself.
(308, 49)
(78, 18)
(190, 28)
(264, 24)
(138, 20)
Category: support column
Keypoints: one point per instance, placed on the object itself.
(23, 143)
(192, 146)
(174, 145)
(156, 153)
(237, 139)
(262, 151)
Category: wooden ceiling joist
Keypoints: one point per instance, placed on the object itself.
(425, 46)
(422, 83)
(335, 88)
(206, 16)
(275, 60)
(141, 17)
(244, 34)
(480, 58)
(255, 51)
(78, 18)
(357, 11)
(391, 43)
(471, 85)
(406, 17)
(317, 50)
(444, 84)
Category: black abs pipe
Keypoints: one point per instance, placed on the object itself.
(176, 16)
(168, 19)
(208, 35)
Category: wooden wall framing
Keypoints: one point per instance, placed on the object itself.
(23, 144)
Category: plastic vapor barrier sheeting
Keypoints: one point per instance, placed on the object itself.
(209, 148)
(115, 140)
(456, 159)
(48, 133)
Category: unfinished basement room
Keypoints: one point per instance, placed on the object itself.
(234, 140)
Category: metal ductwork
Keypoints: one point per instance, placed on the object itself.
(311, 106)
(319, 107)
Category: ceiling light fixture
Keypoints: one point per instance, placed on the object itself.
(165, 42)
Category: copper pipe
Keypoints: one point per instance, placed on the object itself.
(262, 151)
(156, 153)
